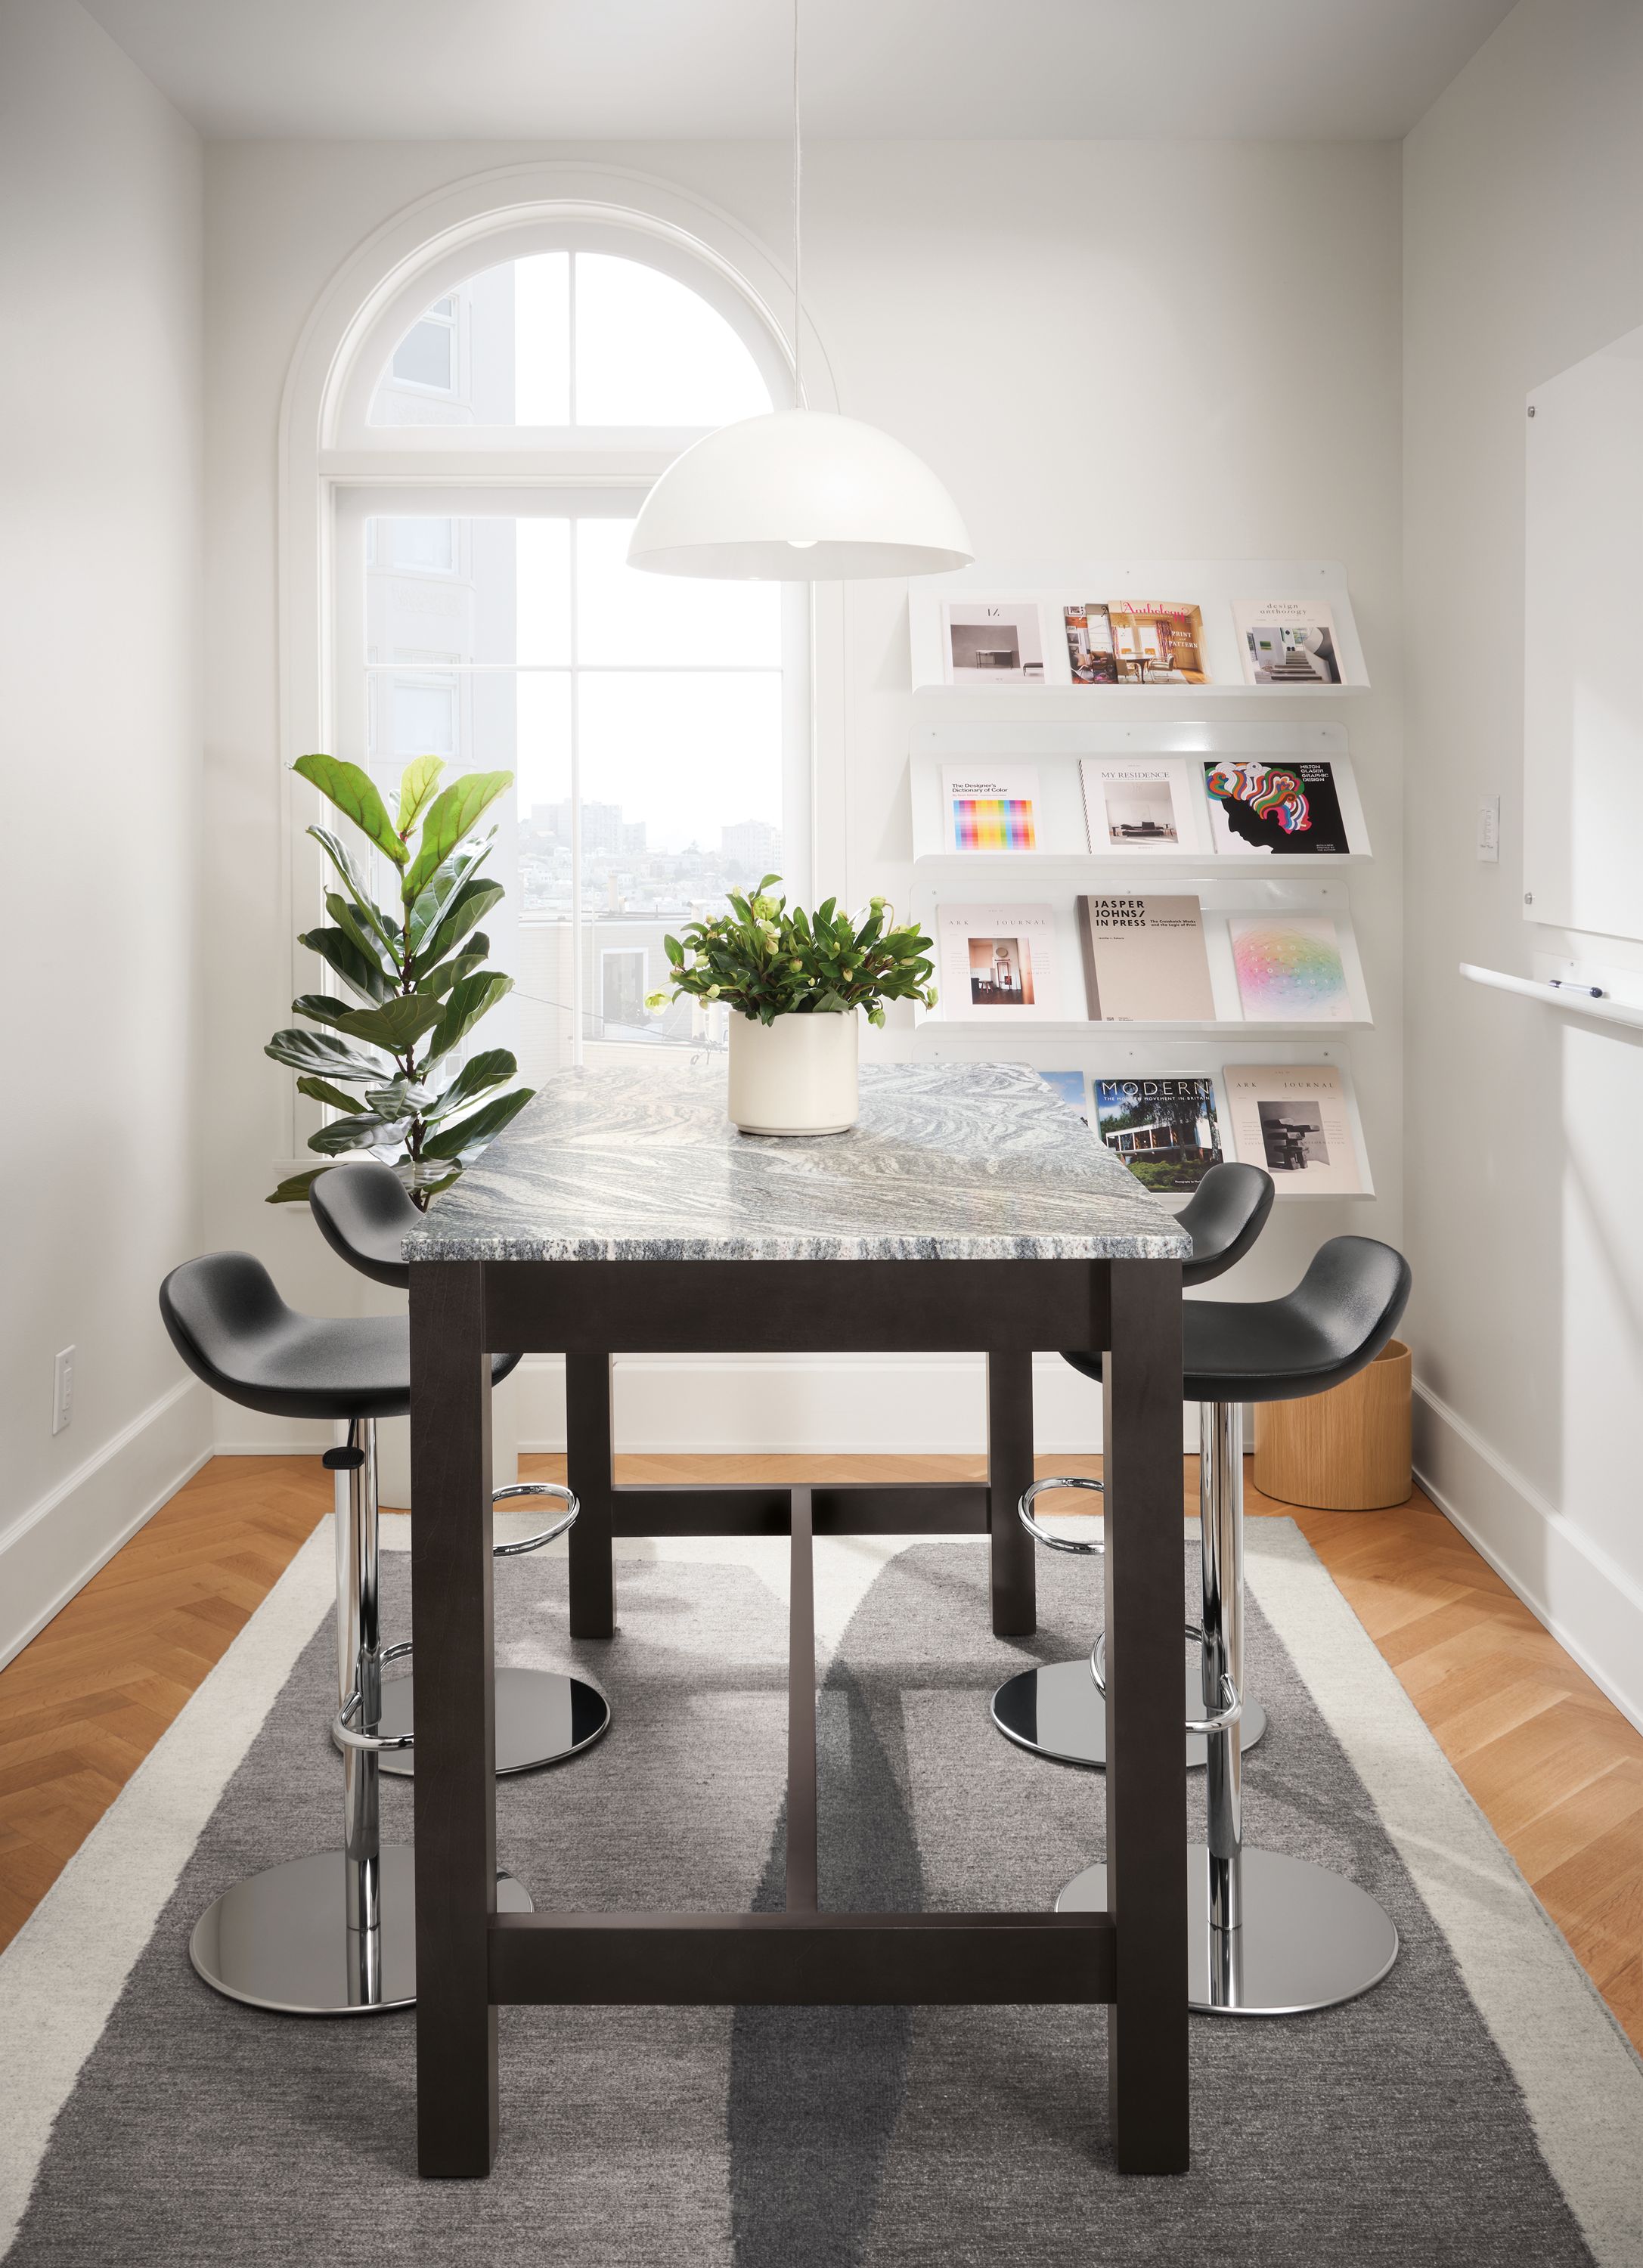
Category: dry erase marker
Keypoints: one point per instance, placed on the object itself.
(1565, 984)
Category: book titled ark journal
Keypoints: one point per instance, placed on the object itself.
(1145, 961)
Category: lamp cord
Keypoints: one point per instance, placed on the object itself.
(798, 393)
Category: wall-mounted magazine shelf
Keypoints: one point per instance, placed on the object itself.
(1000, 805)
(1086, 633)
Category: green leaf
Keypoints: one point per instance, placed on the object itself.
(355, 925)
(401, 1098)
(355, 794)
(468, 906)
(386, 928)
(323, 1007)
(364, 1132)
(432, 903)
(474, 998)
(320, 1090)
(477, 1074)
(295, 1188)
(397, 1025)
(361, 972)
(454, 817)
(469, 1136)
(326, 1057)
(439, 981)
(418, 783)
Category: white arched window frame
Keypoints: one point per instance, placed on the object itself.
(339, 471)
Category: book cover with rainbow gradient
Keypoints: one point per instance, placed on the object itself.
(991, 808)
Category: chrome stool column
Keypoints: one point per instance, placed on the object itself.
(1266, 1936)
(1053, 1710)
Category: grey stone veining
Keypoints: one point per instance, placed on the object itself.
(949, 1162)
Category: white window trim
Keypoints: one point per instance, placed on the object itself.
(325, 446)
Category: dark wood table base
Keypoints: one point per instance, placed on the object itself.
(470, 1960)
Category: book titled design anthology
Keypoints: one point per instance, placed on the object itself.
(1138, 804)
(1293, 1119)
(1145, 961)
(1166, 1129)
(1287, 808)
(1287, 642)
(1289, 968)
(990, 806)
(998, 963)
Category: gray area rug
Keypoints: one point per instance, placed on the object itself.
(1391, 2130)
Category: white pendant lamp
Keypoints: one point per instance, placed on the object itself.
(799, 495)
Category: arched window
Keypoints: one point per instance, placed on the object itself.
(495, 425)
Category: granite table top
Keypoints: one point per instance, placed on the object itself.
(948, 1162)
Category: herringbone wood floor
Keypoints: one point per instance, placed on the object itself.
(1554, 1765)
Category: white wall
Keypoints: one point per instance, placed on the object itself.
(100, 186)
(1523, 213)
(1088, 343)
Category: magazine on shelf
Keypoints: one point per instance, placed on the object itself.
(1166, 1130)
(994, 641)
(989, 806)
(1289, 968)
(1145, 961)
(1293, 1119)
(1287, 642)
(1069, 1085)
(1136, 642)
(1138, 804)
(1290, 808)
(998, 964)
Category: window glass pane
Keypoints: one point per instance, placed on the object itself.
(543, 633)
(472, 590)
(542, 339)
(650, 351)
(681, 785)
(624, 618)
(426, 354)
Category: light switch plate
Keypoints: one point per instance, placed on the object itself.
(1489, 831)
(62, 1390)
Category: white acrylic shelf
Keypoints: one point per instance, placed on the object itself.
(1054, 749)
(1211, 585)
(1570, 998)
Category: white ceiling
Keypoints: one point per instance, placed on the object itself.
(696, 70)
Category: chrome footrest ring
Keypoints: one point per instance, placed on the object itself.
(548, 1535)
(1041, 1534)
(1222, 1723)
(371, 1743)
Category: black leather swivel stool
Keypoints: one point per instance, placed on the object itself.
(541, 1717)
(333, 1934)
(1267, 1935)
(1055, 1710)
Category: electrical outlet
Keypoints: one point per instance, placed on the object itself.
(62, 1390)
(1489, 831)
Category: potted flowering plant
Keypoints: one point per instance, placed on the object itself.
(793, 983)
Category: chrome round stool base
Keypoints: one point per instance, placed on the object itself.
(1308, 1940)
(280, 1939)
(1056, 1712)
(542, 1719)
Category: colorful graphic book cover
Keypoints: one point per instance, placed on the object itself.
(1069, 1086)
(1145, 961)
(1292, 808)
(1136, 642)
(1138, 805)
(994, 642)
(1166, 1130)
(998, 963)
(1293, 1119)
(1289, 968)
(1287, 642)
(990, 806)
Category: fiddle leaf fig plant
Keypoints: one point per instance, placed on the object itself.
(765, 960)
(413, 983)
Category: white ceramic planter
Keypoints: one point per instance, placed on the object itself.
(796, 1076)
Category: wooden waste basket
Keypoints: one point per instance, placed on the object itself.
(1347, 1450)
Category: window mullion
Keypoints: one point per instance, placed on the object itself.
(576, 750)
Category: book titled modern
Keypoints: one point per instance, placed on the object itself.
(1293, 1119)
(1145, 961)
(990, 806)
(998, 963)
(1138, 804)
(1287, 642)
(1289, 968)
(1166, 1130)
(1287, 808)
(994, 642)
(1135, 642)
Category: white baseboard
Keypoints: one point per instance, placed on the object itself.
(54, 1548)
(1590, 1603)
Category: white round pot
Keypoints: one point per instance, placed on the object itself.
(796, 1076)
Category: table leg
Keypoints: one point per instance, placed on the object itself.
(590, 1472)
(801, 1709)
(455, 1799)
(1147, 1792)
(1009, 1474)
